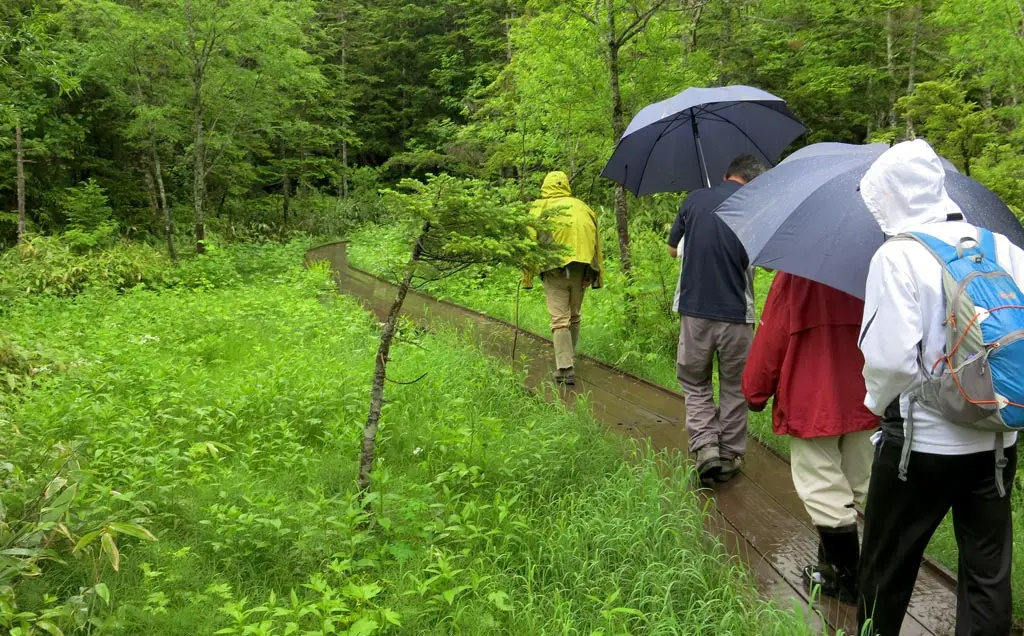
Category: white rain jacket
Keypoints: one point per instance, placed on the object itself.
(904, 190)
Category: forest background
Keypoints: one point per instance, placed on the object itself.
(253, 119)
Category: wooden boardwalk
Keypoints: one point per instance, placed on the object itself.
(757, 514)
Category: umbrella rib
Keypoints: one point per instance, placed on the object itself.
(763, 104)
(693, 112)
(717, 117)
(662, 134)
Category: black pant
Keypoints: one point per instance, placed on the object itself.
(900, 519)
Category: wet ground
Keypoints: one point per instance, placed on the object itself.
(758, 514)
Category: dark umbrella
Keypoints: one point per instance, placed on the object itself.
(662, 151)
(806, 218)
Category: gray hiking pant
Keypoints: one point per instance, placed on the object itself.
(700, 341)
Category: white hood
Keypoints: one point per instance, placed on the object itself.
(905, 188)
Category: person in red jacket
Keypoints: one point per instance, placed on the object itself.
(805, 355)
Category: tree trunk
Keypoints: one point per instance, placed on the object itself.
(221, 201)
(912, 67)
(199, 170)
(287, 187)
(344, 142)
(521, 177)
(344, 169)
(387, 336)
(19, 157)
(869, 125)
(154, 206)
(618, 128)
(684, 30)
(168, 216)
(723, 44)
(697, 13)
(568, 141)
(890, 58)
(199, 59)
(508, 35)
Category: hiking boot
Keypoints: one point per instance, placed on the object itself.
(709, 464)
(836, 572)
(730, 468)
(824, 578)
(566, 377)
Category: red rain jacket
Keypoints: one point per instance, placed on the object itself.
(805, 354)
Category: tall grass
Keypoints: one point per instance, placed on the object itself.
(643, 342)
(645, 346)
(226, 420)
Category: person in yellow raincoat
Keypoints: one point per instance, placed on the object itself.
(564, 286)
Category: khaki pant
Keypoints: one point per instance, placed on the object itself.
(700, 341)
(563, 291)
(831, 475)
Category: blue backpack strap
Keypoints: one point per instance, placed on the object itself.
(987, 243)
(941, 249)
(985, 246)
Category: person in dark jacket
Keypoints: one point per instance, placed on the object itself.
(716, 307)
(805, 355)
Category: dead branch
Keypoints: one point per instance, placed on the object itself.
(407, 383)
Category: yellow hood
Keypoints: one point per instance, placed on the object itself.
(576, 225)
(556, 184)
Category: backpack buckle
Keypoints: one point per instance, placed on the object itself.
(962, 246)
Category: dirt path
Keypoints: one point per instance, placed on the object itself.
(758, 514)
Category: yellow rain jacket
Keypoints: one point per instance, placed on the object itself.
(576, 226)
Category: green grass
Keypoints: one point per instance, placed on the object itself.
(645, 347)
(226, 420)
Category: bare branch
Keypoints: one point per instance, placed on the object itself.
(407, 383)
(639, 24)
(410, 342)
(580, 14)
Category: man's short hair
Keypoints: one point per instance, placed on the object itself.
(744, 167)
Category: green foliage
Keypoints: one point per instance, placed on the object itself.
(86, 206)
(645, 346)
(53, 266)
(643, 343)
(957, 128)
(308, 97)
(89, 217)
(493, 510)
(456, 223)
(51, 513)
(21, 367)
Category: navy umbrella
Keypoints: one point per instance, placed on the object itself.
(685, 141)
(805, 216)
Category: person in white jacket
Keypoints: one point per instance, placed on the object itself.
(949, 467)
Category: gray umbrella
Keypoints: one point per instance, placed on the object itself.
(662, 151)
(806, 218)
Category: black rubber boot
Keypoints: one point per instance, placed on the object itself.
(836, 572)
(568, 377)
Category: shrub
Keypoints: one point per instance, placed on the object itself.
(89, 216)
(54, 266)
